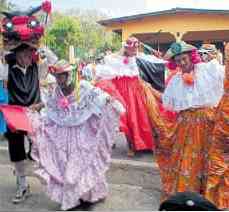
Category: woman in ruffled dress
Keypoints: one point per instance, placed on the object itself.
(217, 189)
(120, 77)
(73, 139)
(193, 92)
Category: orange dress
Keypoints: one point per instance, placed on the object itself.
(217, 189)
(182, 150)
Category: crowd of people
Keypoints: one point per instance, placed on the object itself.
(72, 122)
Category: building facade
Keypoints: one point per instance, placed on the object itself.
(160, 29)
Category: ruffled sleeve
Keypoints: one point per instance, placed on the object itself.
(92, 102)
(102, 99)
(210, 83)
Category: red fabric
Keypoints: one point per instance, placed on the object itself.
(39, 30)
(16, 117)
(47, 6)
(18, 20)
(135, 122)
(23, 31)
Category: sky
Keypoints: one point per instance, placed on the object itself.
(118, 8)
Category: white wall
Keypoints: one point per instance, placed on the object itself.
(157, 5)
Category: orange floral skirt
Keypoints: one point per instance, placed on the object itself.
(182, 153)
(217, 189)
(182, 148)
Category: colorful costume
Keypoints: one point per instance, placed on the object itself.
(120, 76)
(123, 82)
(73, 143)
(182, 153)
(21, 32)
(217, 189)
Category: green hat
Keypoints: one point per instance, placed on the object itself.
(178, 48)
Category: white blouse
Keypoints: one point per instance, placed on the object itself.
(114, 66)
(207, 90)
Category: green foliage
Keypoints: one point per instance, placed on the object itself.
(64, 32)
(82, 31)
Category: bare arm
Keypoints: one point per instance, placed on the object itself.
(47, 58)
(37, 107)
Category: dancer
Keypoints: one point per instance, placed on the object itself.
(73, 140)
(119, 76)
(193, 93)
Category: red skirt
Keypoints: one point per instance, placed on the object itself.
(134, 122)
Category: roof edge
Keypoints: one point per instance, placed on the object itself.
(163, 12)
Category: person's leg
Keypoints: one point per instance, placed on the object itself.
(22, 185)
(28, 142)
(131, 151)
(18, 156)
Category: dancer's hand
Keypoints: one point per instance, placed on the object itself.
(157, 54)
(36, 107)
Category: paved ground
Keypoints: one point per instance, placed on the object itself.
(134, 185)
(120, 152)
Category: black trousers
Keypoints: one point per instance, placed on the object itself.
(16, 145)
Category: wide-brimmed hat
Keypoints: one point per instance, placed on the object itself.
(22, 47)
(61, 66)
(178, 48)
(206, 48)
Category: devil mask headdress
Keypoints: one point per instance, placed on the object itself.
(23, 27)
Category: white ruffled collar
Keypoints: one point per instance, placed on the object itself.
(206, 91)
(115, 66)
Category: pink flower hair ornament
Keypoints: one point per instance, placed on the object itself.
(63, 103)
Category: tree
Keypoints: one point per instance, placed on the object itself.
(64, 32)
(80, 28)
(95, 35)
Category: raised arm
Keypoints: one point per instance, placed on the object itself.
(47, 58)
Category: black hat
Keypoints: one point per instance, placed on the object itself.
(22, 47)
(187, 201)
